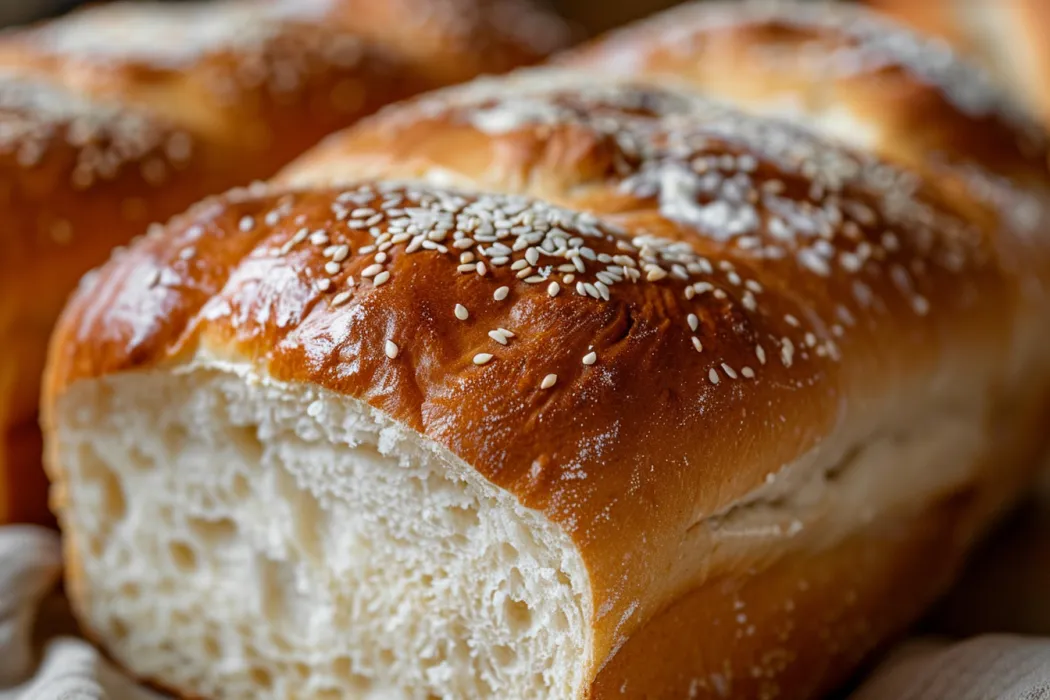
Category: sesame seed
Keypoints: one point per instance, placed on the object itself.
(760, 352)
(532, 255)
(246, 223)
(787, 351)
(549, 381)
(655, 274)
(466, 267)
(713, 375)
(461, 312)
(331, 268)
(340, 253)
(730, 372)
(498, 337)
(694, 322)
(504, 331)
(590, 358)
(187, 253)
(697, 344)
(553, 288)
(324, 283)
(482, 358)
(747, 372)
(391, 349)
(372, 270)
(314, 409)
(481, 268)
(381, 278)
(340, 298)
(380, 257)
(501, 293)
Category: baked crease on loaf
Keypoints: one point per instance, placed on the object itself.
(677, 408)
(120, 115)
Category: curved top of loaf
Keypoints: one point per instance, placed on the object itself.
(618, 365)
(455, 38)
(841, 69)
(599, 144)
(229, 69)
(280, 43)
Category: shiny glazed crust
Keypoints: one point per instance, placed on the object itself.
(115, 117)
(722, 299)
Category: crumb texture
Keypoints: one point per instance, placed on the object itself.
(339, 555)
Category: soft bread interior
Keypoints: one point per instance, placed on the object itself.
(239, 538)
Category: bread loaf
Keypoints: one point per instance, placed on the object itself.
(560, 385)
(1009, 38)
(124, 114)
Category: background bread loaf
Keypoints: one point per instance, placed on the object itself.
(122, 115)
(1009, 38)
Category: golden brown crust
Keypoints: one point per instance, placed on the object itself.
(1009, 38)
(449, 40)
(799, 629)
(118, 116)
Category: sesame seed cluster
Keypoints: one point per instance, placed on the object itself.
(522, 245)
(701, 159)
(34, 115)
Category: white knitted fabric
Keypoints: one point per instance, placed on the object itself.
(39, 659)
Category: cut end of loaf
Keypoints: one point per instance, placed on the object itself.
(238, 537)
